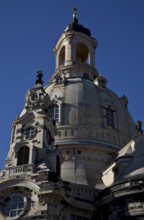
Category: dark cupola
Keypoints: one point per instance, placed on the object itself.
(75, 26)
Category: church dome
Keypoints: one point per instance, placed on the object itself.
(90, 113)
(93, 122)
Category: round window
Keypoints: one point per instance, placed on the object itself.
(13, 205)
(34, 98)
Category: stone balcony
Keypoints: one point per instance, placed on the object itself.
(11, 172)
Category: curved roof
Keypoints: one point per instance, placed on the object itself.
(83, 106)
(78, 28)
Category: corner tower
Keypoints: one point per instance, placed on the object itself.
(93, 122)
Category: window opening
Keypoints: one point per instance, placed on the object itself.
(82, 53)
(62, 56)
(54, 112)
(110, 117)
(30, 133)
(13, 205)
(23, 156)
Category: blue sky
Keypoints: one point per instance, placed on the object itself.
(29, 29)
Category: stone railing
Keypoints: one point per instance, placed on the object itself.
(76, 64)
(23, 169)
(91, 134)
(83, 192)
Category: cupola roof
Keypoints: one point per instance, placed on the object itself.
(75, 26)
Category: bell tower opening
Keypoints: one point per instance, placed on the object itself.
(62, 56)
(82, 53)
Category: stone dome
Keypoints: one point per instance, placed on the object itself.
(83, 106)
(93, 122)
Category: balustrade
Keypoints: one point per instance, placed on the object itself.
(11, 171)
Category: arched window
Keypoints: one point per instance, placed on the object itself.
(62, 56)
(110, 117)
(54, 112)
(82, 53)
(23, 156)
